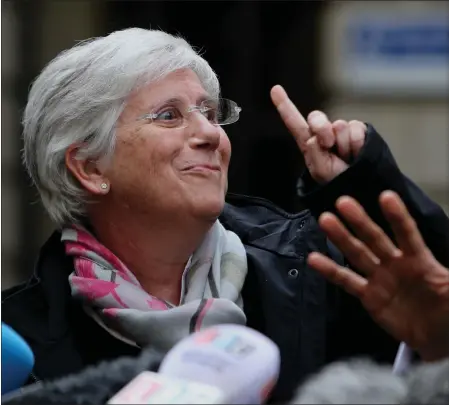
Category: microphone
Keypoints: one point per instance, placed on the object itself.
(241, 362)
(361, 381)
(229, 364)
(428, 384)
(17, 360)
(232, 364)
(92, 386)
(216, 366)
(354, 382)
(153, 388)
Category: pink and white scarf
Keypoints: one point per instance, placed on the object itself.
(211, 289)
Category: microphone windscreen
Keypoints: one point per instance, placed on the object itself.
(429, 384)
(94, 385)
(353, 382)
(17, 360)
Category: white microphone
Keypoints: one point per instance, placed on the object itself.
(153, 388)
(241, 362)
(225, 364)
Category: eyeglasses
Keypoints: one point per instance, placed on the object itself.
(218, 112)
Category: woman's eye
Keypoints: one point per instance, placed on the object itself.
(168, 115)
(211, 114)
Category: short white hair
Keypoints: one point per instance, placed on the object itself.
(78, 98)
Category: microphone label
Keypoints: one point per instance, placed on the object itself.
(152, 388)
(231, 343)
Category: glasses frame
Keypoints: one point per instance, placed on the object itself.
(202, 108)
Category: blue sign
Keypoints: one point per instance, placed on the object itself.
(393, 41)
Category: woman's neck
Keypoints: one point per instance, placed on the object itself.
(156, 252)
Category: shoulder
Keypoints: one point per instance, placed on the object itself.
(39, 309)
(23, 306)
(253, 217)
(55, 326)
(26, 307)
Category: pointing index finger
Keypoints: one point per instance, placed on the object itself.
(292, 118)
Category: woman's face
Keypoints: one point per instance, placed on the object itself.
(159, 168)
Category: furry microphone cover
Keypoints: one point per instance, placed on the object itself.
(364, 382)
(94, 385)
(352, 382)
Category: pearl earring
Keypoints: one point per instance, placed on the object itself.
(104, 186)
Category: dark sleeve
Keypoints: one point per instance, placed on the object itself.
(373, 171)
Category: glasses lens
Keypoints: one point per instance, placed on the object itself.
(228, 112)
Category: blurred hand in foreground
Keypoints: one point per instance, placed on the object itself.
(403, 287)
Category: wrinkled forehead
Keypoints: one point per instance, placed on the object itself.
(181, 85)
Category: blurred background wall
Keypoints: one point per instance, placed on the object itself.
(382, 62)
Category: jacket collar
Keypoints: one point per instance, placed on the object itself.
(43, 303)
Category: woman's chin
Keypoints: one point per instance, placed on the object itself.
(210, 208)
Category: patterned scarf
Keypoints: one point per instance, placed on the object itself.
(210, 295)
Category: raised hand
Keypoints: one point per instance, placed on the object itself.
(403, 287)
(327, 147)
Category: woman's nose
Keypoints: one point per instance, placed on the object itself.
(203, 133)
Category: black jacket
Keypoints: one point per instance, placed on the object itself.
(312, 321)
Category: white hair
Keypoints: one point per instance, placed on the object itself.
(78, 98)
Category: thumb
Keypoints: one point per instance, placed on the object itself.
(322, 164)
(317, 160)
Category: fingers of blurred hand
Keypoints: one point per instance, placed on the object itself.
(355, 251)
(367, 230)
(321, 127)
(404, 226)
(357, 135)
(352, 282)
(342, 134)
(292, 118)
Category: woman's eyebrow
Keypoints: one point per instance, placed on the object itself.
(176, 100)
(172, 100)
(204, 97)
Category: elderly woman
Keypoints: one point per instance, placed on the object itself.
(124, 140)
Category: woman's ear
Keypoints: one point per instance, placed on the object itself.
(87, 172)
